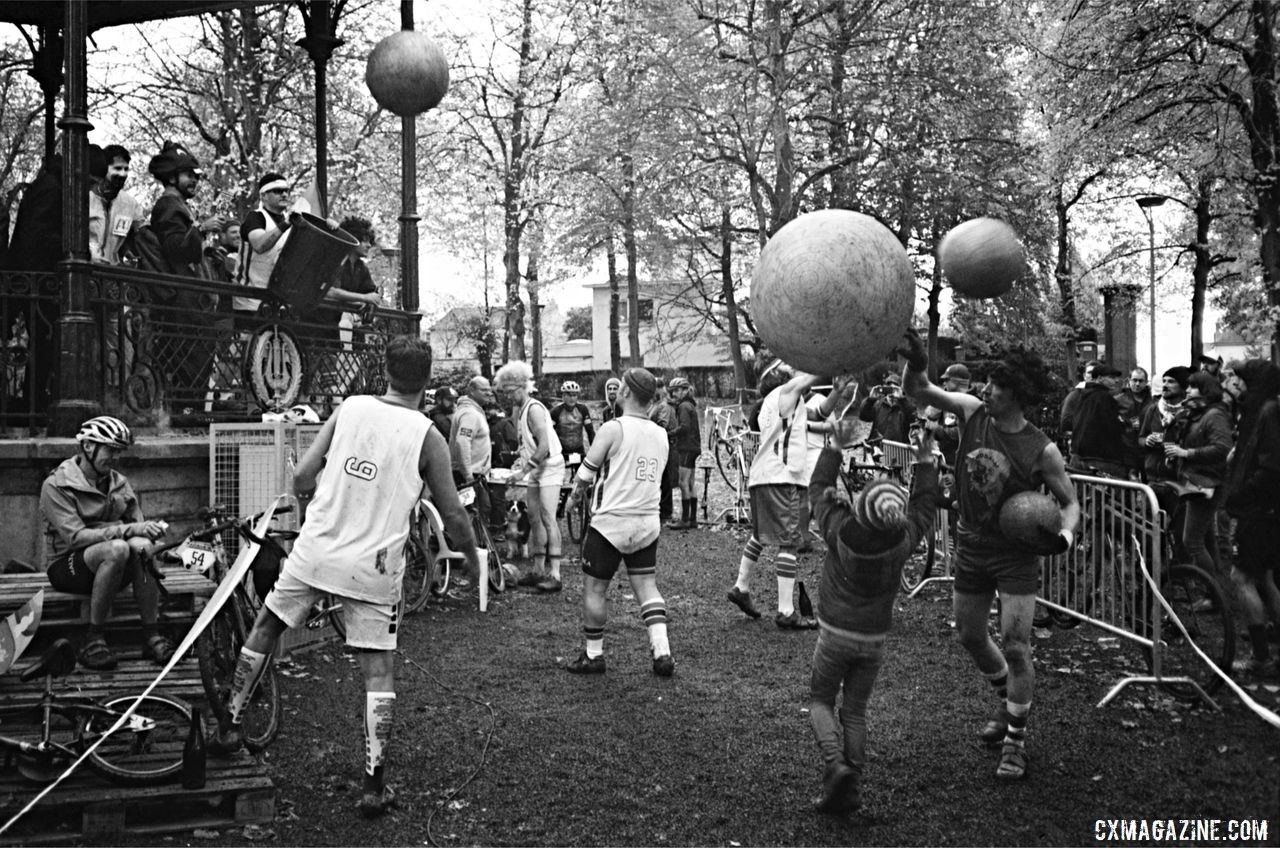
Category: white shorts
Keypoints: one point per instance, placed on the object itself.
(369, 625)
(551, 474)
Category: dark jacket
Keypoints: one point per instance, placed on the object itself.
(1094, 422)
(1205, 431)
(181, 241)
(857, 590)
(688, 438)
(37, 231)
(890, 417)
(1154, 466)
(1253, 479)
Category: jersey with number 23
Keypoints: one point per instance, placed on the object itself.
(624, 502)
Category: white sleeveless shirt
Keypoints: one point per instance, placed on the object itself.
(783, 445)
(624, 502)
(352, 543)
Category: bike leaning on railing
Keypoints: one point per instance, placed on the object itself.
(429, 554)
(146, 750)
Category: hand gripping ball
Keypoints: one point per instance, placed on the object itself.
(407, 73)
(982, 258)
(1030, 519)
(833, 292)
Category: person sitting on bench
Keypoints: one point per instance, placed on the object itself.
(99, 541)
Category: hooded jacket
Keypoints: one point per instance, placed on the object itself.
(1253, 479)
(79, 514)
(1204, 429)
(857, 589)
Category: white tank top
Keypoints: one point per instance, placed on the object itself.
(526, 435)
(783, 445)
(624, 502)
(352, 543)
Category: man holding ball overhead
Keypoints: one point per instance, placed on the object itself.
(1000, 454)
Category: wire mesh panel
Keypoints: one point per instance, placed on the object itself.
(249, 466)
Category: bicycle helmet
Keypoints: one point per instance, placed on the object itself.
(302, 414)
(105, 430)
(678, 383)
(570, 386)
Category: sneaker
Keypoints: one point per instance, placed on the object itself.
(530, 578)
(663, 666)
(225, 742)
(677, 525)
(1013, 762)
(839, 788)
(1254, 667)
(743, 601)
(791, 621)
(374, 804)
(548, 584)
(994, 731)
(586, 665)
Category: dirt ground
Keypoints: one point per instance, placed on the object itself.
(497, 745)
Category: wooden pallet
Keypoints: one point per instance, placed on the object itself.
(187, 592)
(237, 792)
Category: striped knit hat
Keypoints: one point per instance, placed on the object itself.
(879, 517)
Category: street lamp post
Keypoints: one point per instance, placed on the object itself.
(1146, 203)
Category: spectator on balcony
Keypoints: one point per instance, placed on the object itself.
(114, 214)
(181, 237)
(264, 233)
(222, 257)
(353, 291)
(99, 541)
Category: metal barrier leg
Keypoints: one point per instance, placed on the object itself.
(1156, 681)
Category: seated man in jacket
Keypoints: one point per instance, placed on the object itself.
(99, 541)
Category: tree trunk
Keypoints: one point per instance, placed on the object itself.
(535, 309)
(636, 358)
(512, 191)
(934, 313)
(615, 345)
(1262, 124)
(783, 153)
(1062, 274)
(837, 130)
(730, 302)
(1203, 264)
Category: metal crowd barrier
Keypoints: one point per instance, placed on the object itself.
(902, 456)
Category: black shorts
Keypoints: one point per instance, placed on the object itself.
(69, 573)
(687, 458)
(600, 559)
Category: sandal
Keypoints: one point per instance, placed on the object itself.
(96, 655)
(1013, 762)
(158, 649)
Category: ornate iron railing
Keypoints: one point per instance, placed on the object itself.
(172, 351)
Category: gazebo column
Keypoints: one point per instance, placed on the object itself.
(79, 382)
(320, 42)
(408, 194)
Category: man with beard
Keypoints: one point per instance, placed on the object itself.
(1155, 418)
(114, 214)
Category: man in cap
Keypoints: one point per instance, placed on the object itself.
(889, 411)
(943, 424)
(181, 237)
(264, 232)
(687, 442)
(1158, 416)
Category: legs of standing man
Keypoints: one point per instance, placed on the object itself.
(688, 497)
(544, 535)
(379, 711)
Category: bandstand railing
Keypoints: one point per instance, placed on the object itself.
(172, 352)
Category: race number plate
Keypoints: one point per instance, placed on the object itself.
(198, 556)
(574, 459)
(467, 495)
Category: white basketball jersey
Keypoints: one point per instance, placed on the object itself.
(526, 435)
(783, 445)
(628, 489)
(352, 543)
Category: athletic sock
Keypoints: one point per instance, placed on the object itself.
(379, 710)
(249, 667)
(693, 511)
(654, 614)
(538, 563)
(1018, 714)
(1258, 640)
(785, 565)
(999, 681)
(553, 565)
(750, 556)
(595, 641)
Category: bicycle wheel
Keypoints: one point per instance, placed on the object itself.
(147, 749)
(727, 462)
(333, 612)
(419, 566)
(217, 649)
(218, 654)
(1202, 606)
(919, 566)
(576, 520)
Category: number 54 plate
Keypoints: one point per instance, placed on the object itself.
(198, 556)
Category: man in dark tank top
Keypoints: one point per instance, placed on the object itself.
(1000, 454)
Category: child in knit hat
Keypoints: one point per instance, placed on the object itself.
(868, 541)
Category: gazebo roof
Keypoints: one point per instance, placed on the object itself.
(106, 13)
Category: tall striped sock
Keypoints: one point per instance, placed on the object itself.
(750, 556)
(595, 640)
(1018, 714)
(379, 710)
(785, 565)
(653, 613)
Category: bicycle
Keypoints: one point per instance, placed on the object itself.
(576, 519)
(429, 553)
(218, 647)
(146, 750)
(734, 447)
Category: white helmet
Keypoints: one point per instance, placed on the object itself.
(302, 414)
(105, 430)
(570, 386)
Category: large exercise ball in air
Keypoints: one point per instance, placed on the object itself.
(981, 258)
(833, 292)
(407, 73)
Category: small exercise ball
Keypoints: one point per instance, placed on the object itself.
(982, 258)
(833, 292)
(407, 73)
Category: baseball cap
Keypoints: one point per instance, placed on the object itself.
(957, 371)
